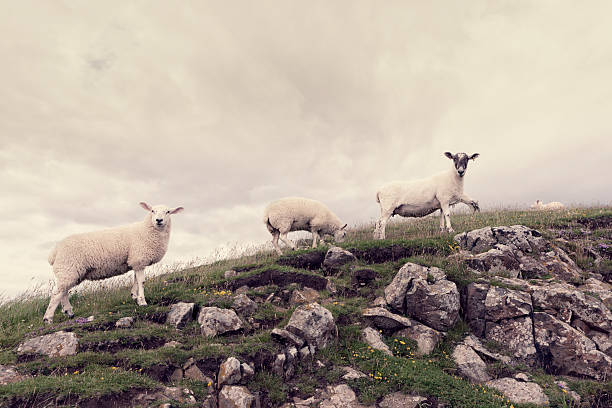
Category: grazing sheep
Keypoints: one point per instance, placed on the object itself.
(110, 252)
(301, 214)
(540, 206)
(422, 197)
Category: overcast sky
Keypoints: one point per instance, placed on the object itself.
(222, 107)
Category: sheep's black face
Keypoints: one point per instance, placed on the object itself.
(461, 161)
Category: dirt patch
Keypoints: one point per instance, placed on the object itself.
(592, 223)
(309, 260)
(280, 278)
(390, 253)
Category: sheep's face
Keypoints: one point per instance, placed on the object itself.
(340, 234)
(160, 214)
(461, 161)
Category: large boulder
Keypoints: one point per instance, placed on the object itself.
(214, 321)
(516, 237)
(435, 304)
(395, 292)
(314, 324)
(56, 344)
(568, 351)
(229, 372)
(520, 392)
(235, 396)
(502, 303)
(469, 364)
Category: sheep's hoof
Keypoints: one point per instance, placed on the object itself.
(142, 302)
(450, 230)
(48, 321)
(134, 296)
(69, 314)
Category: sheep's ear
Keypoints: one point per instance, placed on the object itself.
(145, 206)
(177, 210)
(474, 156)
(344, 226)
(449, 155)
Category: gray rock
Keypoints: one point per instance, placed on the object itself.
(517, 237)
(314, 324)
(125, 322)
(340, 396)
(229, 372)
(148, 398)
(56, 344)
(374, 339)
(570, 352)
(247, 371)
(244, 305)
(395, 292)
(600, 289)
(399, 400)
(499, 260)
(173, 344)
(306, 295)
(384, 319)
(521, 377)
(191, 371)
(520, 392)
(214, 321)
(233, 396)
(9, 374)
(514, 334)
(469, 364)
(352, 374)
(336, 257)
(475, 295)
(278, 366)
(502, 303)
(434, 304)
(426, 337)
(304, 352)
(180, 314)
(473, 342)
(285, 337)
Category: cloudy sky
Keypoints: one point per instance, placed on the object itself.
(224, 106)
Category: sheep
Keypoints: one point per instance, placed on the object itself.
(555, 205)
(102, 254)
(301, 214)
(422, 197)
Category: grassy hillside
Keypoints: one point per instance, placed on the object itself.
(113, 364)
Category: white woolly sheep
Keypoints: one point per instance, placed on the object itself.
(110, 252)
(555, 205)
(301, 214)
(422, 197)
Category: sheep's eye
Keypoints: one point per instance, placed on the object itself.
(167, 212)
(152, 211)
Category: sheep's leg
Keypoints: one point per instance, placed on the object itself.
(134, 290)
(466, 199)
(66, 306)
(61, 291)
(275, 242)
(53, 303)
(446, 211)
(381, 225)
(441, 221)
(140, 278)
(283, 237)
(315, 236)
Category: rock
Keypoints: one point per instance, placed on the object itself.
(558, 299)
(306, 295)
(517, 237)
(502, 303)
(520, 392)
(229, 372)
(244, 305)
(214, 321)
(286, 337)
(233, 396)
(379, 302)
(314, 324)
(304, 352)
(500, 259)
(521, 377)
(352, 374)
(172, 343)
(336, 257)
(514, 334)
(9, 374)
(56, 344)
(362, 277)
(191, 371)
(469, 364)
(601, 290)
(384, 319)
(473, 342)
(177, 375)
(230, 274)
(475, 295)
(246, 371)
(242, 289)
(374, 339)
(568, 351)
(125, 322)
(177, 394)
(278, 367)
(395, 292)
(180, 314)
(434, 304)
(399, 400)
(340, 396)
(426, 337)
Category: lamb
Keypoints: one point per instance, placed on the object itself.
(552, 206)
(422, 197)
(110, 252)
(301, 214)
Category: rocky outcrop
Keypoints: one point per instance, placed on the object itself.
(56, 344)
(214, 321)
(516, 238)
(314, 324)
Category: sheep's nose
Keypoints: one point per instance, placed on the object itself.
(461, 172)
(159, 220)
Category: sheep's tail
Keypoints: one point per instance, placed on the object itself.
(377, 198)
(51, 258)
(266, 221)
